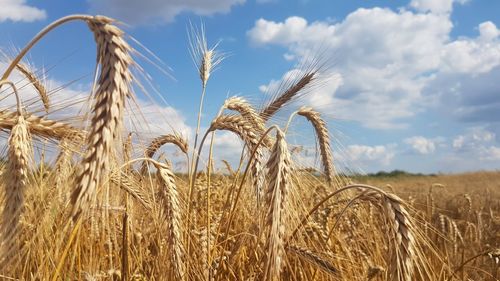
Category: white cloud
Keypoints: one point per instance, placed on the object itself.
(421, 144)
(488, 31)
(158, 119)
(365, 155)
(491, 153)
(17, 10)
(473, 138)
(473, 55)
(435, 6)
(386, 58)
(147, 11)
(476, 143)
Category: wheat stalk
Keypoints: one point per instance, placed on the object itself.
(113, 87)
(278, 184)
(323, 139)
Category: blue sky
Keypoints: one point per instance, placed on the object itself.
(411, 85)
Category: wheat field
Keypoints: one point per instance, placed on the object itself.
(111, 207)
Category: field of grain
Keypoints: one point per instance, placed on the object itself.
(110, 207)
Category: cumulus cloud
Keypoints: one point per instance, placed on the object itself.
(473, 138)
(435, 6)
(18, 10)
(370, 156)
(147, 11)
(477, 143)
(392, 63)
(421, 144)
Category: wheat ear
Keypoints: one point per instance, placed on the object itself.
(42, 127)
(402, 231)
(313, 258)
(246, 110)
(126, 183)
(323, 139)
(244, 129)
(16, 178)
(37, 84)
(173, 218)
(158, 142)
(401, 267)
(113, 87)
(287, 96)
(63, 168)
(278, 184)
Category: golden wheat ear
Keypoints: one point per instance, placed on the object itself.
(43, 127)
(247, 111)
(171, 206)
(112, 89)
(288, 95)
(159, 141)
(244, 129)
(278, 184)
(16, 180)
(323, 138)
(36, 83)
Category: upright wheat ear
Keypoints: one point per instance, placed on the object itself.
(323, 140)
(113, 87)
(15, 178)
(278, 184)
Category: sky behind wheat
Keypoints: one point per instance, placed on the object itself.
(408, 85)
